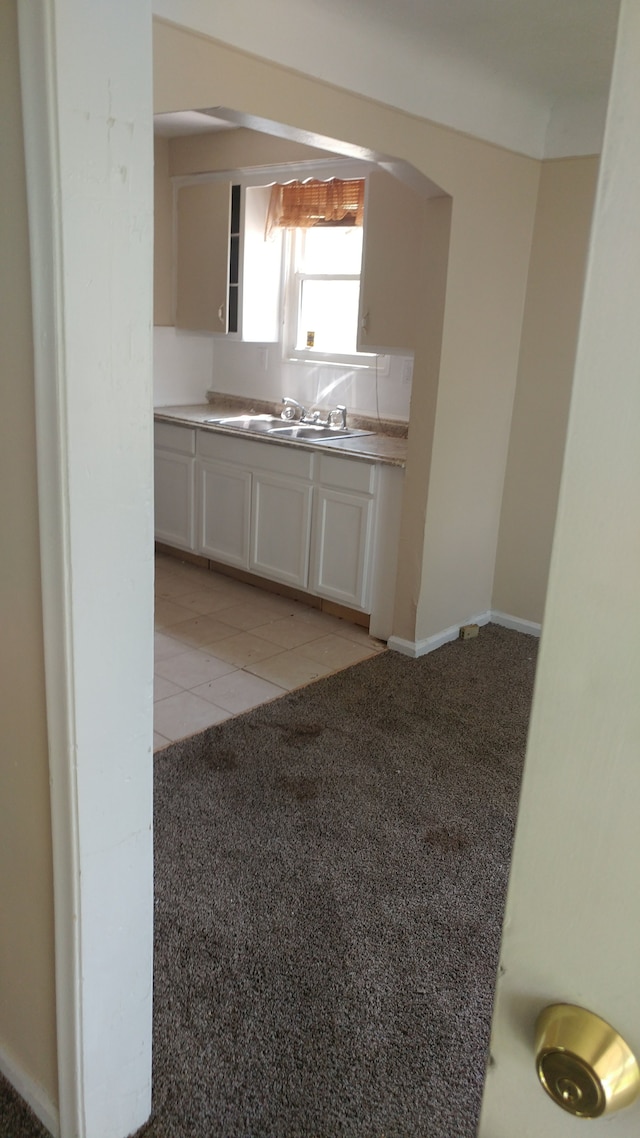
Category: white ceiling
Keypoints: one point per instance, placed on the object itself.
(187, 122)
(532, 75)
(554, 49)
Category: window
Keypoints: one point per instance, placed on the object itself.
(323, 222)
(323, 291)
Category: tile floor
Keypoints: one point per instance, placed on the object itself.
(222, 647)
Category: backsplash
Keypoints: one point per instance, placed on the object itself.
(187, 364)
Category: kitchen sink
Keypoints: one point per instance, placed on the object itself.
(274, 426)
(313, 432)
(257, 424)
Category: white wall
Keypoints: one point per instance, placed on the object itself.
(240, 368)
(188, 364)
(182, 366)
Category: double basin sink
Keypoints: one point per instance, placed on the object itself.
(276, 428)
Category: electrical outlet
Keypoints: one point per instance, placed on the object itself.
(468, 631)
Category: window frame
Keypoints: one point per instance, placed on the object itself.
(292, 299)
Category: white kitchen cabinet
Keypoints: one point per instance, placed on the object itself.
(227, 274)
(390, 275)
(174, 485)
(316, 520)
(254, 506)
(224, 512)
(343, 531)
(342, 547)
(203, 234)
(280, 528)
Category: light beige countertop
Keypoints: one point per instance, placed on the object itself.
(379, 447)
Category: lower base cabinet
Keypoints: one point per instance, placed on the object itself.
(317, 521)
(173, 475)
(343, 526)
(224, 512)
(280, 529)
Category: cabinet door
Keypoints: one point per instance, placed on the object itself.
(390, 265)
(224, 504)
(343, 525)
(173, 498)
(281, 529)
(202, 256)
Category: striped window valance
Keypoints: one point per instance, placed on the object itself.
(300, 205)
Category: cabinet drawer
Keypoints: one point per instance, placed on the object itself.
(170, 436)
(255, 455)
(347, 473)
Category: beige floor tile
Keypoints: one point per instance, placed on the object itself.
(185, 714)
(336, 652)
(244, 648)
(159, 742)
(204, 601)
(200, 631)
(167, 588)
(169, 612)
(163, 688)
(165, 645)
(346, 628)
(252, 614)
(289, 632)
(239, 691)
(289, 670)
(192, 668)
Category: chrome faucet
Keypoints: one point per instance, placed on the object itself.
(339, 413)
(289, 409)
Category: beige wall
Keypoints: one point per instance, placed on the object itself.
(27, 1007)
(162, 234)
(235, 149)
(434, 261)
(545, 375)
(451, 559)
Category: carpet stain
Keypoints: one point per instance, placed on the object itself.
(221, 760)
(302, 789)
(301, 732)
(444, 839)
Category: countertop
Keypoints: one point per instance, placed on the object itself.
(382, 448)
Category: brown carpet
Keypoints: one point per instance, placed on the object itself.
(330, 878)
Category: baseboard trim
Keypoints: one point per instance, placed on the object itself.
(515, 622)
(33, 1094)
(416, 648)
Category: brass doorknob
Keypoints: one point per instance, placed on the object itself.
(583, 1063)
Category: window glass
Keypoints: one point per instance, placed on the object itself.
(328, 316)
(330, 249)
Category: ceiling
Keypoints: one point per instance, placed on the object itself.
(551, 48)
(529, 74)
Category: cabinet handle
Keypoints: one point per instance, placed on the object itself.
(221, 314)
(364, 322)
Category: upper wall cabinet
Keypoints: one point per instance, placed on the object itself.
(390, 278)
(227, 275)
(203, 231)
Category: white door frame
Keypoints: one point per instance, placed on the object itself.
(86, 81)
